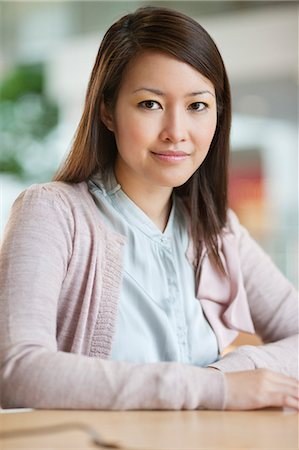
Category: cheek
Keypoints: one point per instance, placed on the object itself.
(131, 133)
(210, 129)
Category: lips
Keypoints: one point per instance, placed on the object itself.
(171, 153)
(170, 156)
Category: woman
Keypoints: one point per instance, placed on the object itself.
(124, 279)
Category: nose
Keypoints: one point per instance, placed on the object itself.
(174, 127)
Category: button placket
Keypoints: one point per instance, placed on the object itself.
(175, 300)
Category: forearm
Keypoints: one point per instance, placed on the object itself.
(42, 379)
(280, 356)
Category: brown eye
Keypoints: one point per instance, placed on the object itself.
(150, 104)
(198, 106)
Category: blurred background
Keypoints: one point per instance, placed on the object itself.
(46, 56)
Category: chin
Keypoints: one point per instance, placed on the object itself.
(175, 181)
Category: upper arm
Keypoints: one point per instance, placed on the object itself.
(272, 299)
(33, 261)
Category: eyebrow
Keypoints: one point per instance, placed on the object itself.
(160, 93)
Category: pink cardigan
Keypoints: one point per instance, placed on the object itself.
(60, 278)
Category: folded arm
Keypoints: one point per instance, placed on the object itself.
(273, 303)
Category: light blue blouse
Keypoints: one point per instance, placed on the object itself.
(159, 317)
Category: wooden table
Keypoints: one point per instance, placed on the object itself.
(144, 430)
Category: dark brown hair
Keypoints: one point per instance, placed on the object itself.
(94, 148)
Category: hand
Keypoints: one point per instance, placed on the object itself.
(261, 388)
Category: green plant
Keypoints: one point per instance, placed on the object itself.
(27, 116)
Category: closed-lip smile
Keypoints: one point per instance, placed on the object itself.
(170, 155)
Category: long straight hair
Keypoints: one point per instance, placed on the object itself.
(94, 148)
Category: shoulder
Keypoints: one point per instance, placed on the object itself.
(70, 199)
(52, 192)
(239, 237)
(232, 221)
(65, 205)
(233, 225)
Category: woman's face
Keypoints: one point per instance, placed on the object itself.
(164, 120)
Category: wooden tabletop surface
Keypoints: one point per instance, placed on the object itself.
(150, 430)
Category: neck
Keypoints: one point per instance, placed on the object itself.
(154, 201)
(156, 209)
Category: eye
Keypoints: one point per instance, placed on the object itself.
(150, 104)
(198, 106)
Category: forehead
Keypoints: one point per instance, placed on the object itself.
(162, 70)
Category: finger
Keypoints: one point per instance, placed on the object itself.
(285, 379)
(289, 388)
(282, 399)
(284, 382)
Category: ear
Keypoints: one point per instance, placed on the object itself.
(106, 115)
